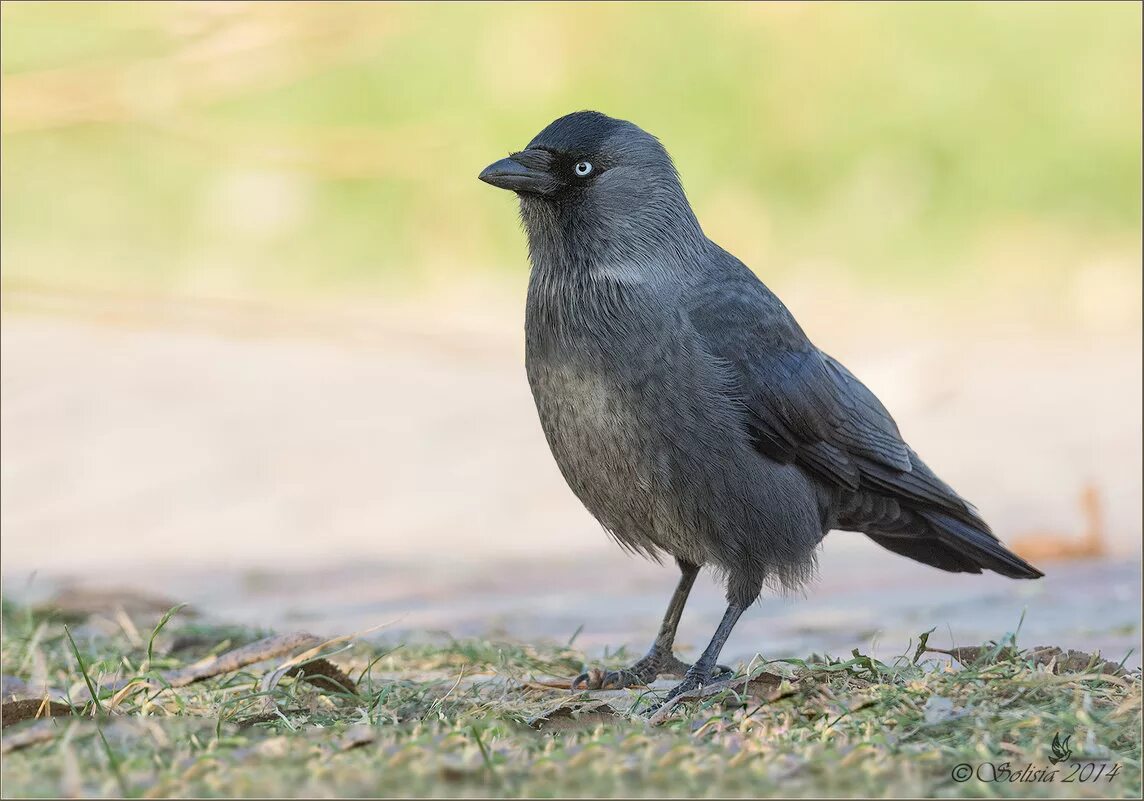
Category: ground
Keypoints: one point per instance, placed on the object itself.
(393, 475)
(479, 717)
(338, 469)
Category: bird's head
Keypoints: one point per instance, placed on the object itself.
(593, 181)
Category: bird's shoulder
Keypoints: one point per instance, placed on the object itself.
(732, 309)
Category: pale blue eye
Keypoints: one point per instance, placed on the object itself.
(583, 168)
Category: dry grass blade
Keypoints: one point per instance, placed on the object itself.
(547, 684)
(30, 708)
(228, 662)
(231, 661)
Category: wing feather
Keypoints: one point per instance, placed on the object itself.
(805, 408)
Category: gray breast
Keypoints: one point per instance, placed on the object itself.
(614, 455)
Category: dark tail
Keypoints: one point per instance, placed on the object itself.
(944, 542)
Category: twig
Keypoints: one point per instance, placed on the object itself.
(660, 715)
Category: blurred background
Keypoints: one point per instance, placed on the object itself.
(261, 324)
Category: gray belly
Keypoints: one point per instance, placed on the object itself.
(616, 456)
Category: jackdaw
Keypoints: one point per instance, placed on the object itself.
(684, 405)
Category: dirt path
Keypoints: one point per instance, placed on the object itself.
(347, 481)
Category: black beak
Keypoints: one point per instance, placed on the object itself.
(521, 172)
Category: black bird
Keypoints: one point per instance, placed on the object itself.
(685, 406)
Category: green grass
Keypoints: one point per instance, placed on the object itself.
(310, 148)
(466, 718)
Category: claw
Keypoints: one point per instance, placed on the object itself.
(619, 679)
(596, 679)
(592, 680)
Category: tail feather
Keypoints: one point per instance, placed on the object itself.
(927, 551)
(950, 544)
(981, 546)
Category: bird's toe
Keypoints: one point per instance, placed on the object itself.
(721, 673)
(596, 679)
(588, 680)
(619, 679)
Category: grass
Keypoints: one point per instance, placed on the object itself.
(473, 718)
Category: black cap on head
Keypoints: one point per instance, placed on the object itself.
(581, 132)
(572, 153)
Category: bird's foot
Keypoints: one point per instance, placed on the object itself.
(693, 680)
(657, 663)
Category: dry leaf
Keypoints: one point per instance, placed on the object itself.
(1072, 661)
(324, 674)
(765, 685)
(29, 708)
(356, 737)
(1061, 661)
(564, 718)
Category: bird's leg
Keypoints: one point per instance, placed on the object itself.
(659, 661)
(700, 673)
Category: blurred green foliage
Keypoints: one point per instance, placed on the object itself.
(217, 148)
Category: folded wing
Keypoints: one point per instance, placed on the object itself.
(804, 408)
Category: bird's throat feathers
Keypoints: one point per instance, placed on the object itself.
(590, 279)
(576, 246)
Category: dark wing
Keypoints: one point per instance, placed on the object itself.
(805, 408)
